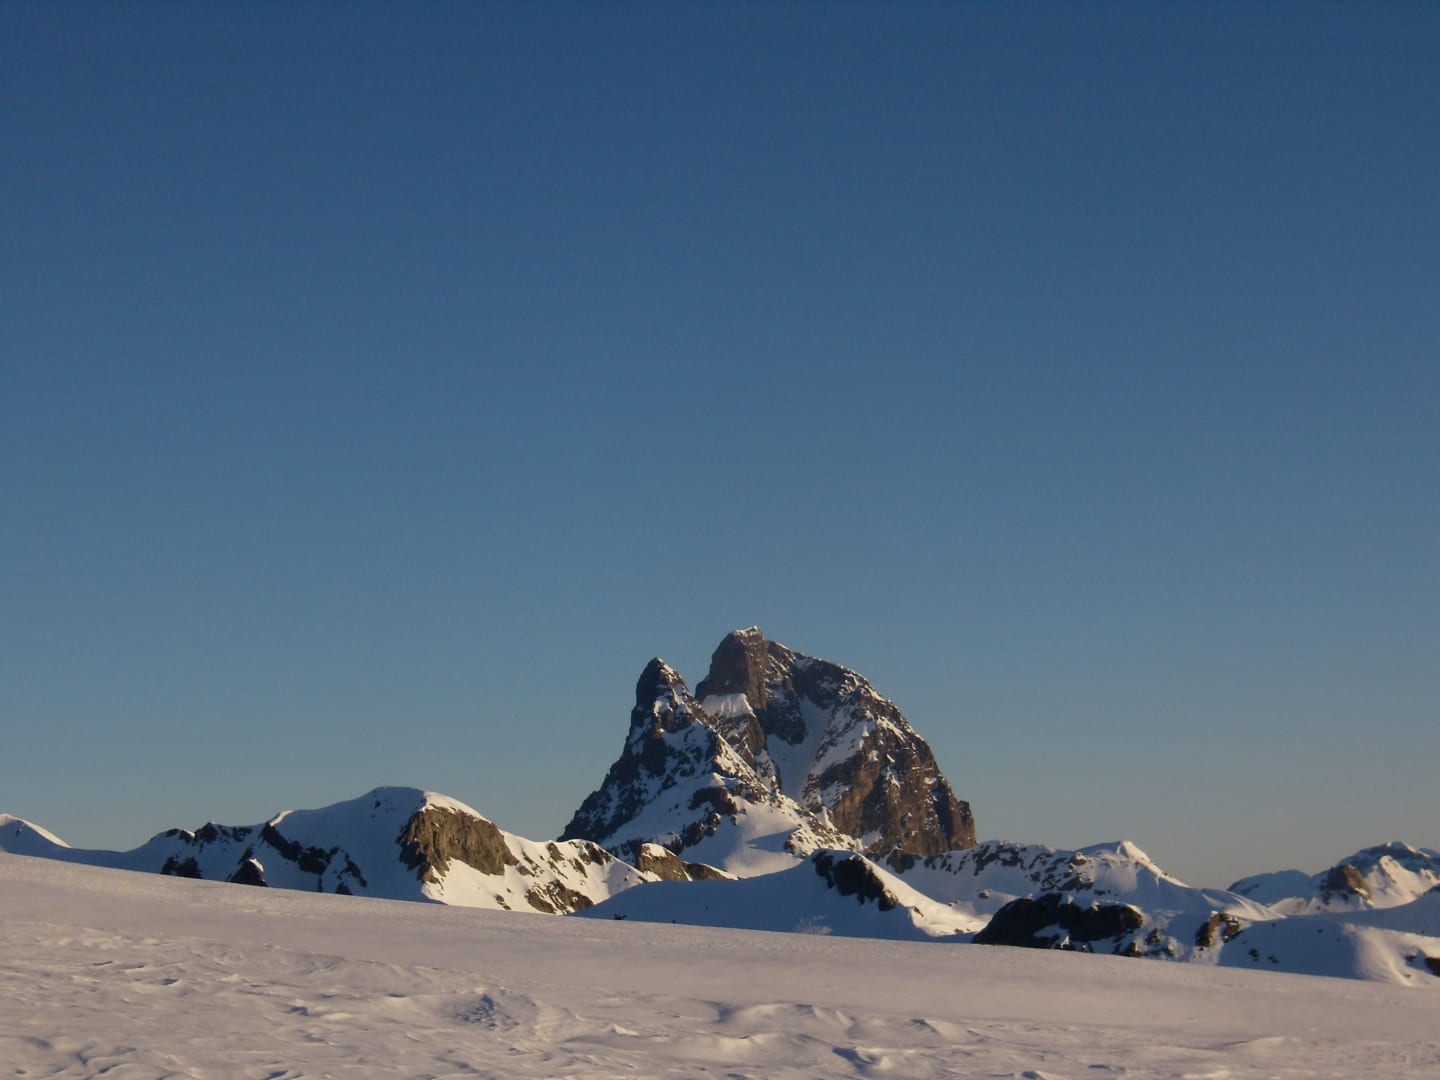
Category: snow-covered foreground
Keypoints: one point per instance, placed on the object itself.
(126, 975)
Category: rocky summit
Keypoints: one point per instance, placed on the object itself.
(775, 752)
(820, 733)
(679, 784)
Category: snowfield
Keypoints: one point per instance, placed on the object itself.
(137, 976)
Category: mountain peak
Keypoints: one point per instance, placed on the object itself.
(808, 739)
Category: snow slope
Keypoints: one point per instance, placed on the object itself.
(393, 842)
(831, 892)
(128, 975)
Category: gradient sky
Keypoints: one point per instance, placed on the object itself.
(382, 386)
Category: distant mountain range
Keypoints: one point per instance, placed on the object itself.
(395, 843)
(786, 794)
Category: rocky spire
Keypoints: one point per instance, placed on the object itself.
(670, 746)
(822, 735)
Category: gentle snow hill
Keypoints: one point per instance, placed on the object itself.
(106, 973)
(394, 842)
(1386, 875)
(1398, 945)
(831, 892)
(21, 837)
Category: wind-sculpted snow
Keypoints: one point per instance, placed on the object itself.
(396, 843)
(128, 975)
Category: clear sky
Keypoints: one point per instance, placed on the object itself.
(382, 386)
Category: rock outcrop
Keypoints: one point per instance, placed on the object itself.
(1054, 921)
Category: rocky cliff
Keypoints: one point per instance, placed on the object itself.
(820, 734)
(776, 752)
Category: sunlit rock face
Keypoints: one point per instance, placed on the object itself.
(772, 735)
(822, 735)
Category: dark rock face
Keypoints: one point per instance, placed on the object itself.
(1053, 921)
(249, 872)
(436, 835)
(850, 875)
(312, 860)
(178, 867)
(867, 767)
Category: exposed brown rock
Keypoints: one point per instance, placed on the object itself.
(435, 835)
(1219, 925)
(1344, 881)
(891, 788)
(554, 898)
(700, 871)
(663, 863)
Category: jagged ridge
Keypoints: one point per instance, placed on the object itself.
(776, 755)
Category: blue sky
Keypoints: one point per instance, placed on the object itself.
(382, 386)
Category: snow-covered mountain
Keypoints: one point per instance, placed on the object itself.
(1396, 944)
(1384, 876)
(778, 754)
(786, 794)
(1113, 898)
(394, 842)
(1109, 898)
(830, 892)
(679, 784)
